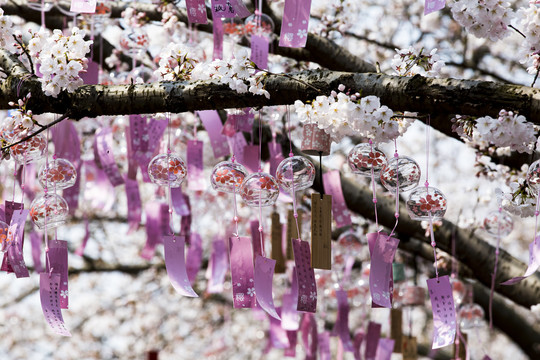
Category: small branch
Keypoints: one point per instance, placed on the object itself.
(41, 129)
(519, 32)
(23, 48)
(535, 77)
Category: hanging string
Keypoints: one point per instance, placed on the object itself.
(494, 274)
(536, 213)
(291, 154)
(169, 193)
(261, 190)
(23, 177)
(432, 235)
(45, 190)
(396, 214)
(373, 188)
(235, 218)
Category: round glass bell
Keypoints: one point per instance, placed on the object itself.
(408, 174)
(58, 174)
(533, 176)
(362, 159)
(49, 209)
(5, 242)
(259, 24)
(134, 41)
(228, 176)
(426, 202)
(234, 27)
(259, 189)
(498, 223)
(29, 151)
(167, 170)
(471, 316)
(349, 243)
(295, 173)
(459, 291)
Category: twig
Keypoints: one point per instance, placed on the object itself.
(535, 76)
(287, 76)
(26, 53)
(43, 128)
(519, 32)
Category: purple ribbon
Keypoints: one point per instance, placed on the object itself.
(80, 250)
(444, 312)
(106, 157)
(250, 157)
(382, 250)
(341, 326)
(310, 337)
(35, 240)
(324, 346)
(180, 202)
(332, 186)
(358, 339)
(9, 208)
(278, 336)
(58, 264)
(294, 27)
(256, 238)
(242, 272)
(194, 256)
(153, 229)
(15, 252)
(175, 264)
(91, 76)
(196, 10)
(293, 339)
(433, 5)
(217, 27)
(49, 286)
(196, 181)
(134, 204)
(307, 288)
(372, 340)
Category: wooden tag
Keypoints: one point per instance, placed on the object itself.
(321, 231)
(409, 348)
(292, 232)
(277, 247)
(460, 354)
(396, 324)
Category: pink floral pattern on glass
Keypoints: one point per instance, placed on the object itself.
(49, 209)
(259, 189)
(425, 203)
(228, 176)
(408, 174)
(29, 151)
(167, 169)
(364, 157)
(58, 174)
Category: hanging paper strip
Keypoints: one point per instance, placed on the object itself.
(251, 157)
(212, 124)
(196, 11)
(15, 236)
(242, 272)
(294, 27)
(106, 156)
(290, 318)
(229, 9)
(324, 346)
(244, 120)
(341, 326)
(153, 228)
(278, 336)
(264, 273)
(175, 263)
(433, 5)
(372, 340)
(138, 134)
(9, 208)
(310, 337)
(534, 263)
(58, 264)
(259, 51)
(194, 256)
(91, 76)
(332, 186)
(293, 339)
(237, 143)
(219, 262)
(276, 156)
(154, 133)
(256, 238)
(217, 28)
(384, 349)
(134, 204)
(358, 340)
(80, 250)
(444, 312)
(196, 181)
(382, 250)
(83, 6)
(307, 288)
(35, 240)
(49, 292)
(180, 202)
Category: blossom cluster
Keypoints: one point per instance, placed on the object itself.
(410, 62)
(337, 16)
(341, 114)
(530, 27)
(6, 30)
(169, 19)
(61, 59)
(176, 63)
(488, 19)
(134, 18)
(239, 73)
(521, 201)
(508, 130)
(20, 120)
